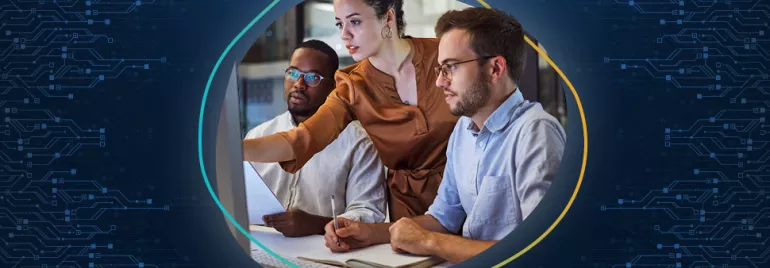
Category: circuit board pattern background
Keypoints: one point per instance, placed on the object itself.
(87, 87)
(63, 200)
(702, 200)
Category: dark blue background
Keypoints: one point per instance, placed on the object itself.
(622, 217)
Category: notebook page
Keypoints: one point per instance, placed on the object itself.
(380, 254)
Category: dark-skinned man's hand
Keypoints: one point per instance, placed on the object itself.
(296, 223)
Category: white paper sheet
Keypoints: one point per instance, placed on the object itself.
(260, 200)
(382, 254)
(313, 247)
(289, 247)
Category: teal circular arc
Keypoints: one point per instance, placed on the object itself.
(200, 133)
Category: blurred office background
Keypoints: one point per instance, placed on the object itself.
(261, 71)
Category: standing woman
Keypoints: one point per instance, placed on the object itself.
(391, 91)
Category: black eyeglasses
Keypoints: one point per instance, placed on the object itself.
(312, 79)
(447, 69)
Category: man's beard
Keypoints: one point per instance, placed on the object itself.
(474, 98)
(300, 111)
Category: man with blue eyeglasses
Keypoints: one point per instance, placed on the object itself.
(348, 169)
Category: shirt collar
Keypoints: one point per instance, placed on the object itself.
(378, 78)
(288, 119)
(504, 114)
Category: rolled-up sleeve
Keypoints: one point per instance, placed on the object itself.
(446, 207)
(538, 157)
(365, 192)
(318, 131)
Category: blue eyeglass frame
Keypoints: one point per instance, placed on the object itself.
(311, 83)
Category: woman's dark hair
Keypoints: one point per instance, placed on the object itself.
(381, 7)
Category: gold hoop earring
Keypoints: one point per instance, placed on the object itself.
(386, 34)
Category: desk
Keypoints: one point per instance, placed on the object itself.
(291, 247)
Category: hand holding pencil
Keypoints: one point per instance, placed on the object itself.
(334, 218)
(347, 235)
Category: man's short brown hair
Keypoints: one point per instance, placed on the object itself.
(492, 32)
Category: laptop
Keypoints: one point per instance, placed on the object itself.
(260, 200)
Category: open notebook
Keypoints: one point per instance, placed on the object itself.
(379, 256)
(312, 248)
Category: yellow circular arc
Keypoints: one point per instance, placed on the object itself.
(585, 150)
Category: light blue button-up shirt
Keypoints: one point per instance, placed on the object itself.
(496, 176)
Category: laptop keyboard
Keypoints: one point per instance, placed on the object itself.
(266, 260)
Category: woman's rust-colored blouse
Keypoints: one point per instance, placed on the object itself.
(411, 140)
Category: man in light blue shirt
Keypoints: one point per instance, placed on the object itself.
(502, 156)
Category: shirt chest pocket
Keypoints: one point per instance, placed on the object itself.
(495, 202)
